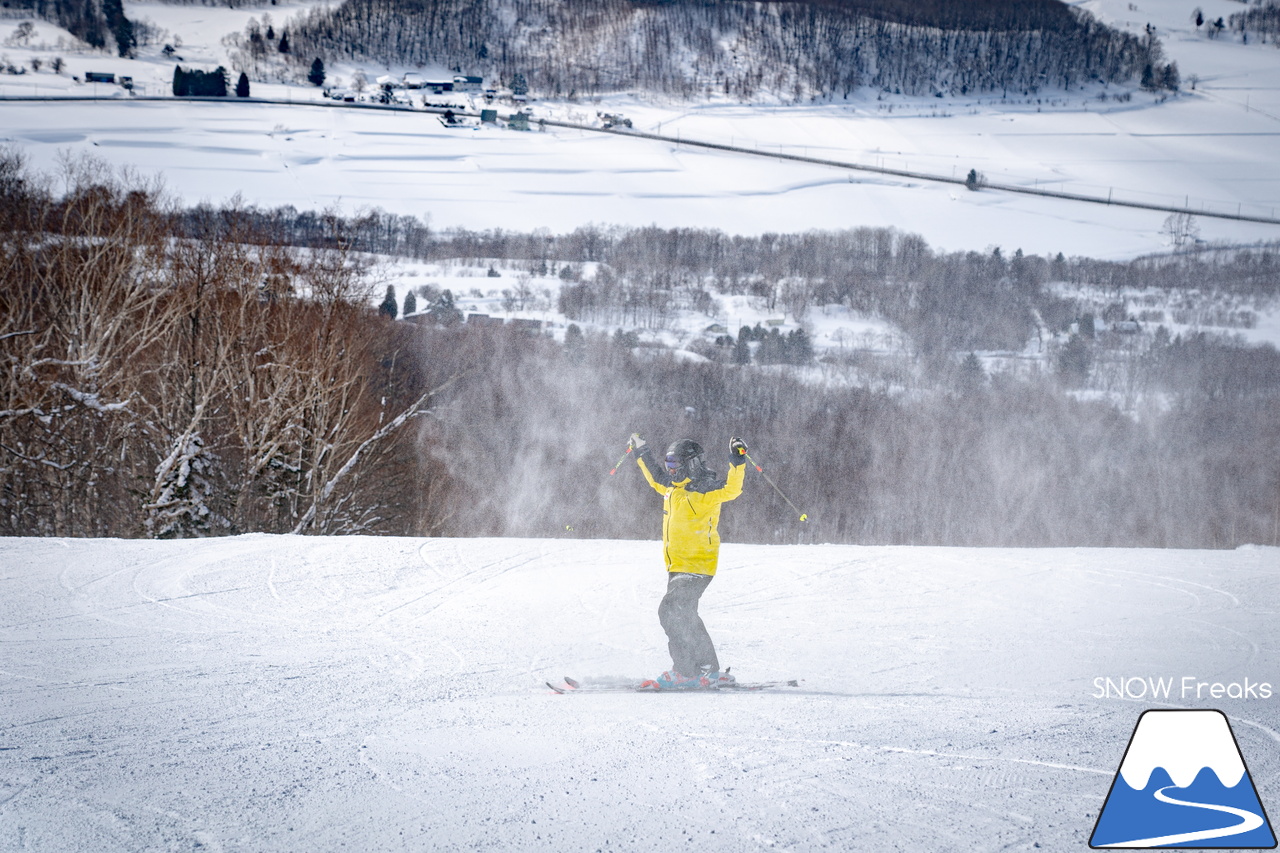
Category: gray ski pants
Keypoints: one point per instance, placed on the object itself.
(687, 638)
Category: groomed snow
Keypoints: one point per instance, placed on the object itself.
(265, 693)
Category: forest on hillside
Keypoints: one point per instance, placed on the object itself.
(946, 302)
(175, 372)
(792, 51)
(1261, 21)
(948, 15)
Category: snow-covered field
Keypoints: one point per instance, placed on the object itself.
(315, 157)
(1212, 147)
(275, 693)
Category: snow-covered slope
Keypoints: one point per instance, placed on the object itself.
(278, 694)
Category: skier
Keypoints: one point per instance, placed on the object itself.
(691, 499)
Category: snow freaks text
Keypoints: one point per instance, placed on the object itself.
(1188, 687)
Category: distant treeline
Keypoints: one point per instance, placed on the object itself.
(641, 277)
(1262, 21)
(792, 51)
(173, 373)
(194, 82)
(729, 259)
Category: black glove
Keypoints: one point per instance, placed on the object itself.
(641, 450)
(737, 451)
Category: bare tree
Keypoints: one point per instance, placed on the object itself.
(1182, 228)
(178, 374)
(85, 307)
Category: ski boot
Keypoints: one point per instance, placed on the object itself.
(717, 678)
(672, 680)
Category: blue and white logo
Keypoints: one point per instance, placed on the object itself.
(1183, 783)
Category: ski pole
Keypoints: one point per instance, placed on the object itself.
(769, 480)
(622, 459)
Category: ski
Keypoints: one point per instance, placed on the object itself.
(625, 685)
(568, 687)
(744, 686)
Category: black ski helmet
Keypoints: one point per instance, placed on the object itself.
(684, 459)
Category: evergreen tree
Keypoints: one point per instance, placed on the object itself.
(444, 311)
(284, 43)
(972, 374)
(242, 86)
(388, 305)
(410, 304)
(575, 343)
(799, 347)
(772, 349)
(1075, 362)
(120, 26)
(1058, 267)
(200, 83)
(182, 510)
(742, 348)
(316, 75)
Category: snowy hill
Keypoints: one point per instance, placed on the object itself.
(789, 52)
(277, 693)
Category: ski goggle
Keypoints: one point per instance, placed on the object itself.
(673, 463)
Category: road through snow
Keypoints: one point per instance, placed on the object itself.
(265, 693)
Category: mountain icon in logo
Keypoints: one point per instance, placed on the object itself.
(1183, 783)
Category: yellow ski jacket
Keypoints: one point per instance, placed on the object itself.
(690, 538)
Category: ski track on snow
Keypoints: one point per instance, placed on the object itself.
(280, 693)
